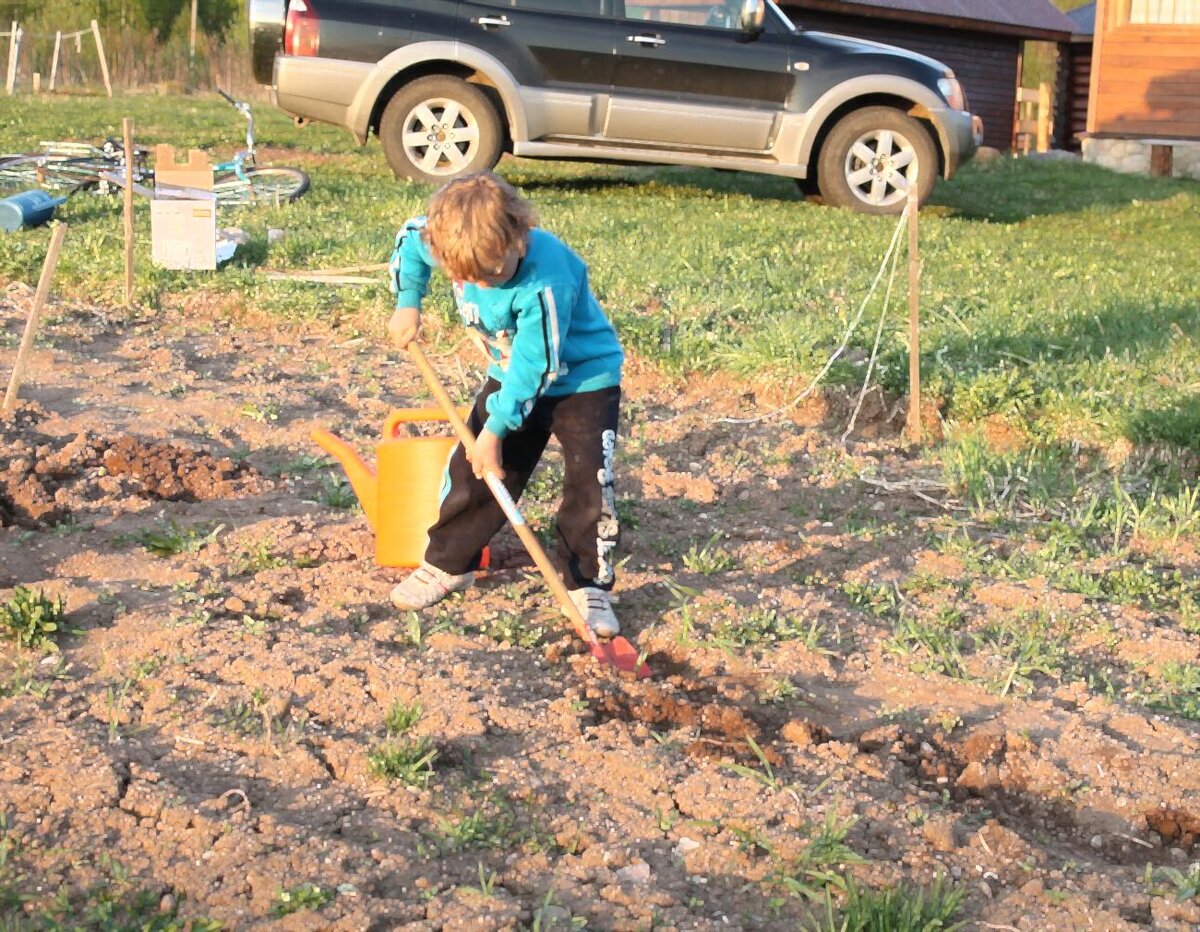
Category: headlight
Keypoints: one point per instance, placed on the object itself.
(953, 93)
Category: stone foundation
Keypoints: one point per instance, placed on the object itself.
(1132, 156)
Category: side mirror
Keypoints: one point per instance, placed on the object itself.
(752, 16)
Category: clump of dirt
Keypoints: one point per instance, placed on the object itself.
(43, 481)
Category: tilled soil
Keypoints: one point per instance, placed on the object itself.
(202, 744)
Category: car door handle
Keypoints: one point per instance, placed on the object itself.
(646, 40)
(487, 21)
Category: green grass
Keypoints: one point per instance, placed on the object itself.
(408, 761)
(895, 909)
(1051, 292)
(31, 619)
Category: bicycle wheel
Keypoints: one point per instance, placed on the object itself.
(37, 171)
(262, 187)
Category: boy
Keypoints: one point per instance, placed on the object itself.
(555, 369)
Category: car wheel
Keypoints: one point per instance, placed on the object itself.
(437, 128)
(871, 158)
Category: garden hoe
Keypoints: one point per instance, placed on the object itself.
(617, 652)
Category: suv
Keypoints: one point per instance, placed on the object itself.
(449, 85)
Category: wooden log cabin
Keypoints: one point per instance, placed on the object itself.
(982, 40)
(1144, 95)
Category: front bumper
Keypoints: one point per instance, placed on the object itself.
(960, 133)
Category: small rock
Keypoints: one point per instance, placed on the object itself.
(167, 904)
(234, 604)
(275, 236)
(636, 874)
(1097, 841)
(985, 155)
(940, 834)
(685, 845)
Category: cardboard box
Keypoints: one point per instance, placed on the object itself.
(183, 213)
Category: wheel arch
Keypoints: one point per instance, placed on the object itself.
(882, 91)
(432, 58)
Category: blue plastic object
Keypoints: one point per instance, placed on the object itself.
(27, 209)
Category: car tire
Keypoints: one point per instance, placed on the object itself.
(869, 160)
(439, 127)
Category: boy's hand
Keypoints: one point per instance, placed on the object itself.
(487, 455)
(403, 326)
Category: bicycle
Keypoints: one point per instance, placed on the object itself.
(68, 167)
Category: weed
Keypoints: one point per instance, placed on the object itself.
(1022, 651)
(254, 558)
(1187, 886)
(767, 625)
(240, 717)
(409, 761)
(766, 776)
(938, 648)
(881, 601)
(896, 909)
(708, 559)
(481, 829)
(32, 620)
(337, 492)
(1177, 690)
(487, 882)
(171, 539)
(267, 411)
(402, 718)
(511, 628)
(305, 896)
(815, 870)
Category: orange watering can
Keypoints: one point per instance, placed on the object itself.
(401, 495)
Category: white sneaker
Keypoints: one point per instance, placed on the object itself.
(426, 586)
(595, 606)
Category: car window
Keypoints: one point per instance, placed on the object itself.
(581, 7)
(703, 13)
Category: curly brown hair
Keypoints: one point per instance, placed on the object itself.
(474, 222)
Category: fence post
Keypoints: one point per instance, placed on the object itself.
(1044, 116)
(127, 133)
(14, 50)
(103, 60)
(54, 61)
(914, 313)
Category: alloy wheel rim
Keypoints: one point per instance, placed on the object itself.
(880, 167)
(440, 136)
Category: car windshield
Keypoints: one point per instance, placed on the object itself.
(782, 17)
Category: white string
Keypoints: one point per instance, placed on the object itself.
(845, 338)
(887, 302)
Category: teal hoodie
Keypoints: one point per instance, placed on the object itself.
(543, 328)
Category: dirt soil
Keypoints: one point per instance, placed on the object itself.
(204, 739)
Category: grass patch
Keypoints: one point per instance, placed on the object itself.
(1049, 292)
(408, 761)
(305, 896)
(895, 909)
(1175, 689)
(170, 538)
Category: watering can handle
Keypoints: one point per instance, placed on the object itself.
(391, 426)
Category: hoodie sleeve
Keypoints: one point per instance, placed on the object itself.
(411, 264)
(543, 316)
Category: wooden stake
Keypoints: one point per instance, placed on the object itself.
(103, 60)
(14, 50)
(35, 314)
(914, 316)
(127, 131)
(54, 61)
(1043, 117)
(192, 36)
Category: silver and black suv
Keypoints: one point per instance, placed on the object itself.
(449, 85)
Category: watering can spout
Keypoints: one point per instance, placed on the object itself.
(362, 477)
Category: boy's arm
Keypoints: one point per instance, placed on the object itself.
(411, 265)
(542, 321)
